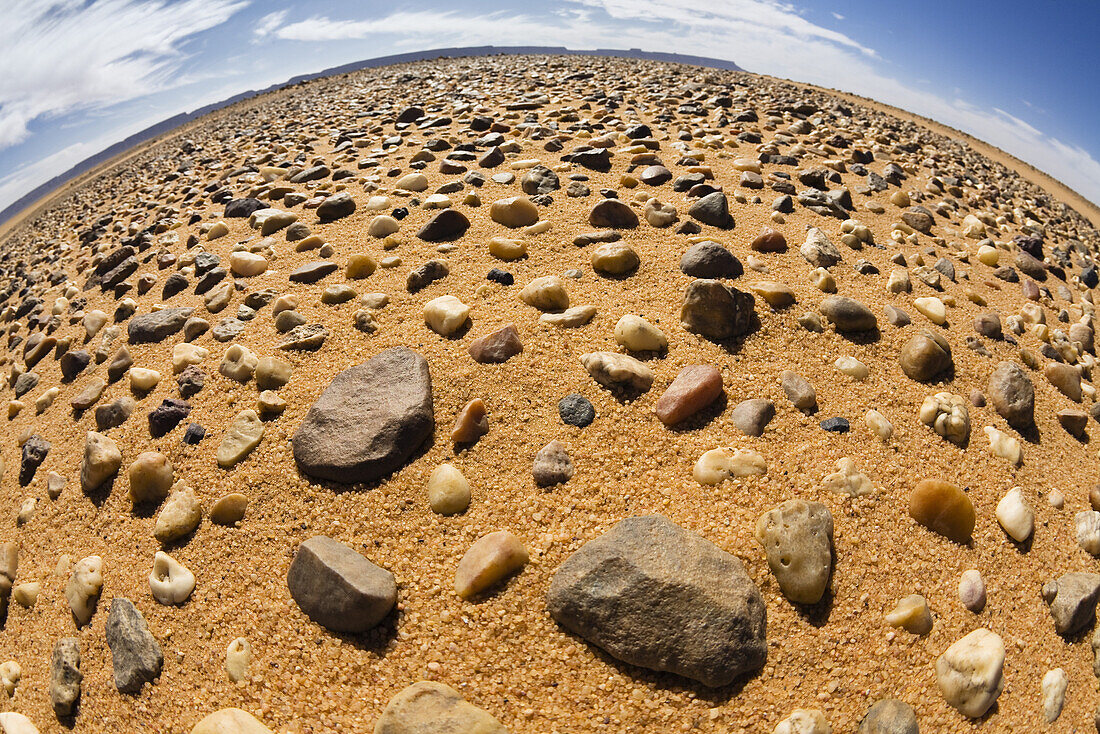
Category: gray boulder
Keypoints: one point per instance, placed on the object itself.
(338, 588)
(369, 420)
(654, 594)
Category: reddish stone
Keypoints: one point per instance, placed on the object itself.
(500, 346)
(696, 387)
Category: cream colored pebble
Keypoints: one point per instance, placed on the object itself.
(82, 590)
(1015, 516)
(143, 380)
(151, 477)
(638, 335)
(170, 581)
(238, 657)
(448, 490)
(488, 561)
(445, 315)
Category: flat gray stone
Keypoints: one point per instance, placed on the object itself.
(338, 588)
(135, 654)
(654, 594)
(65, 676)
(157, 326)
(369, 420)
(1072, 598)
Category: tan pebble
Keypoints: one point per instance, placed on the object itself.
(448, 490)
(230, 721)
(170, 581)
(82, 590)
(445, 315)
(638, 335)
(180, 515)
(471, 422)
(238, 656)
(546, 294)
(911, 614)
(618, 370)
(102, 460)
(942, 508)
(488, 561)
(185, 355)
(238, 363)
(615, 258)
(506, 249)
(516, 211)
(428, 707)
(151, 478)
(143, 380)
(360, 265)
(272, 373)
(229, 509)
(243, 435)
(777, 295)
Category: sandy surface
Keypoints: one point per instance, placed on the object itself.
(504, 652)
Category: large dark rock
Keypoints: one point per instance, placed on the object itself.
(654, 594)
(713, 209)
(716, 311)
(242, 207)
(338, 588)
(614, 214)
(369, 420)
(158, 325)
(336, 207)
(135, 654)
(449, 224)
(710, 260)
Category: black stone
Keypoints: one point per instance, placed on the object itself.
(242, 207)
(836, 425)
(34, 453)
(167, 416)
(500, 276)
(576, 410)
(193, 433)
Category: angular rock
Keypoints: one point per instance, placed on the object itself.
(498, 346)
(695, 388)
(716, 311)
(338, 588)
(490, 560)
(369, 420)
(680, 603)
(713, 209)
(970, 672)
(65, 676)
(1012, 394)
(1072, 598)
(136, 657)
(552, 465)
(158, 325)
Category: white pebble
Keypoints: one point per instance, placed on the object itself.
(448, 490)
(1088, 531)
(638, 335)
(170, 581)
(238, 656)
(1054, 687)
(878, 424)
(852, 367)
(445, 315)
(143, 380)
(1015, 516)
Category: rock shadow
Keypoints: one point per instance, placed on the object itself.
(341, 487)
(379, 639)
(703, 417)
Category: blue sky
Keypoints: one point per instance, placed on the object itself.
(79, 75)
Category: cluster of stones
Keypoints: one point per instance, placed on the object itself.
(681, 604)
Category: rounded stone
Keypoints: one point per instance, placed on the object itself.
(942, 508)
(576, 410)
(925, 356)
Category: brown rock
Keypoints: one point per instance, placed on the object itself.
(925, 356)
(499, 346)
(769, 240)
(1012, 394)
(1065, 378)
(696, 387)
(471, 422)
(942, 508)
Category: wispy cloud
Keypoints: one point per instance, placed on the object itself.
(62, 55)
(269, 23)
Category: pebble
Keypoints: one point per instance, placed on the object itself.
(752, 416)
(65, 676)
(576, 410)
(1012, 394)
(1053, 689)
(448, 490)
(798, 540)
(448, 225)
(102, 460)
(972, 590)
(718, 637)
(272, 373)
(1015, 515)
(769, 240)
(338, 588)
(948, 416)
(337, 206)
(1087, 526)
(1072, 599)
(852, 367)
(136, 657)
(775, 294)
(836, 425)
(241, 436)
(615, 258)
(970, 672)
(911, 614)
(471, 423)
(848, 315)
(429, 706)
(546, 293)
(889, 716)
(305, 338)
(238, 657)
(247, 264)
(89, 396)
(82, 590)
(818, 251)
(800, 392)
(490, 560)
(931, 308)
(638, 335)
(517, 211)
(712, 209)
(570, 318)
(445, 315)
(613, 214)
(695, 388)
(1065, 378)
(158, 325)
(804, 721)
(496, 347)
(185, 355)
(710, 260)
(238, 363)
(925, 357)
(942, 508)
(716, 311)
(660, 215)
(15, 723)
(170, 582)
(552, 465)
(717, 465)
(167, 415)
(151, 478)
(847, 479)
(180, 515)
(143, 380)
(613, 370)
(26, 594)
(230, 721)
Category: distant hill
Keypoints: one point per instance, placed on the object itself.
(177, 120)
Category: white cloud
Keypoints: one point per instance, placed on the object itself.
(63, 55)
(268, 23)
(837, 15)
